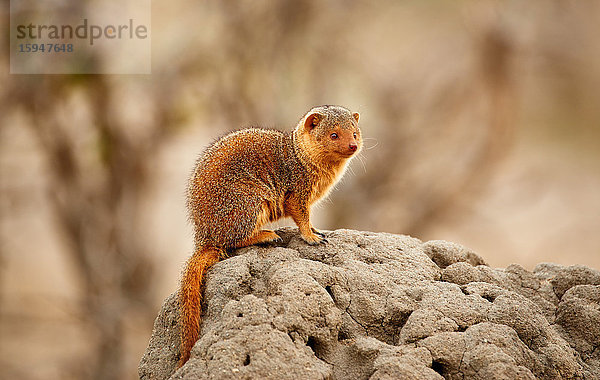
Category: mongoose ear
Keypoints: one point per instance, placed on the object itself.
(312, 121)
(356, 116)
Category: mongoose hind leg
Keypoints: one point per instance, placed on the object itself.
(260, 237)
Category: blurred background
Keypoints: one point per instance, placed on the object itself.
(482, 126)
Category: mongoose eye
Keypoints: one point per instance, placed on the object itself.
(333, 136)
(355, 135)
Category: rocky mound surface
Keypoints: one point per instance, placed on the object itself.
(382, 306)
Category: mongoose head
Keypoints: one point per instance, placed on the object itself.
(329, 134)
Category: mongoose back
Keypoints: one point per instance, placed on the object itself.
(254, 176)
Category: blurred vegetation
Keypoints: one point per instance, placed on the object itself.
(445, 89)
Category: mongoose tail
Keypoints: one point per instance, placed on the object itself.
(190, 302)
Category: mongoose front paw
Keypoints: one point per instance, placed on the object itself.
(314, 239)
(314, 230)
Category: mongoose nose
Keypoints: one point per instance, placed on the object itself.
(353, 147)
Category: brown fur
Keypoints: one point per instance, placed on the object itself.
(254, 176)
(193, 279)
